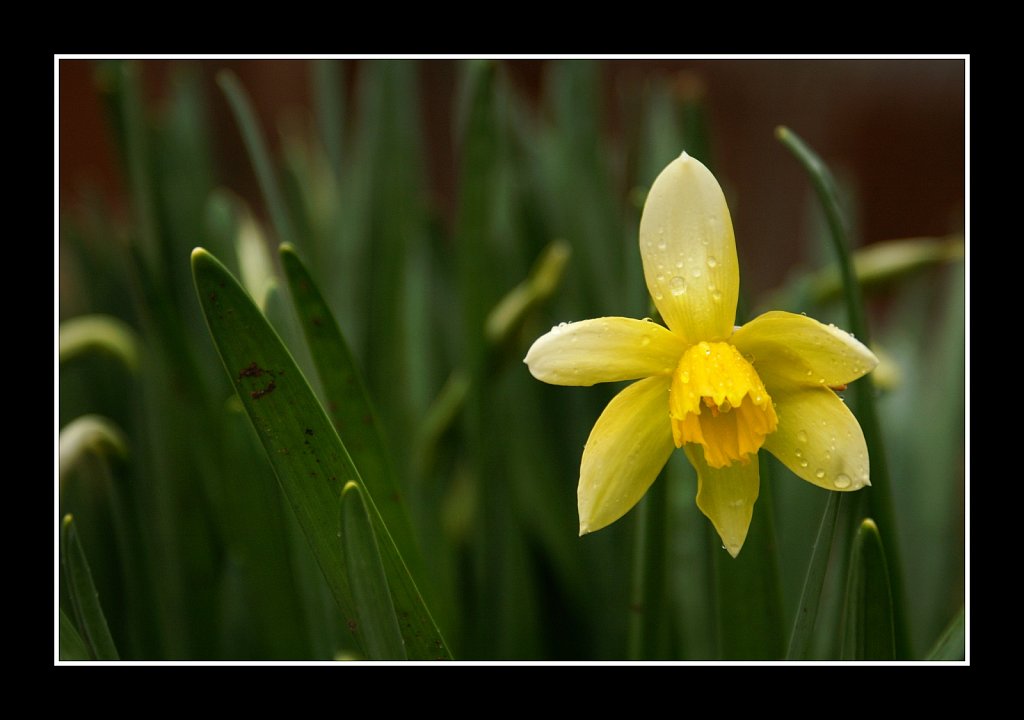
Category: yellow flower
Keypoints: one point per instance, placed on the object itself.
(719, 392)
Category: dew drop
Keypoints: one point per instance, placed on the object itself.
(696, 272)
(661, 244)
(819, 474)
(809, 373)
(712, 261)
(842, 481)
(643, 341)
(802, 436)
(803, 463)
(684, 376)
(717, 296)
(799, 453)
(677, 285)
(738, 502)
(660, 278)
(658, 296)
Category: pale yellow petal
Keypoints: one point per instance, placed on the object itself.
(818, 438)
(604, 350)
(689, 252)
(627, 448)
(797, 348)
(727, 496)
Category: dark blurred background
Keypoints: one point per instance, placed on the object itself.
(892, 130)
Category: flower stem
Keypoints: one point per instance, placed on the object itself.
(646, 599)
(863, 390)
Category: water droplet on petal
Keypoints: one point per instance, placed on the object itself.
(716, 296)
(802, 436)
(803, 463)
(819, 474)
(643, 341)
(661, 244)
(842, 481)
(677, 285)
(712, 262)
(696, 272)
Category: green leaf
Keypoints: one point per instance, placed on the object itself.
(102, 333)
(807, 611)
(952, 645)
(377, 622)
(348, 405)
(869, 630)
(88, 434)
(254, 143)
(71, 644)
(309, 459)
(84, 598)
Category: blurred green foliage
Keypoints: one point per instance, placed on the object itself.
(198, 551)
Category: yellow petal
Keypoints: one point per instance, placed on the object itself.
(627, 448)
(604, 350)
(818, 438)
(689, 252)
(727, 496)
(785, 346)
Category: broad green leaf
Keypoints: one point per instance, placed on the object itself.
(84, 598)
(348, 405)
(311, 463)
(952, 645)
(377, 623)
(71, 644)
(868, 632)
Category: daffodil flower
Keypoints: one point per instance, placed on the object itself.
(719, 392)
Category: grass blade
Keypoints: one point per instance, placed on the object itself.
(72, 646)
(309, 459)
(952, 645)
(378, 624)
(246, 119)
(348, 405)
(807, 611)
(84, 598)
(101, 333)
(869, 631)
